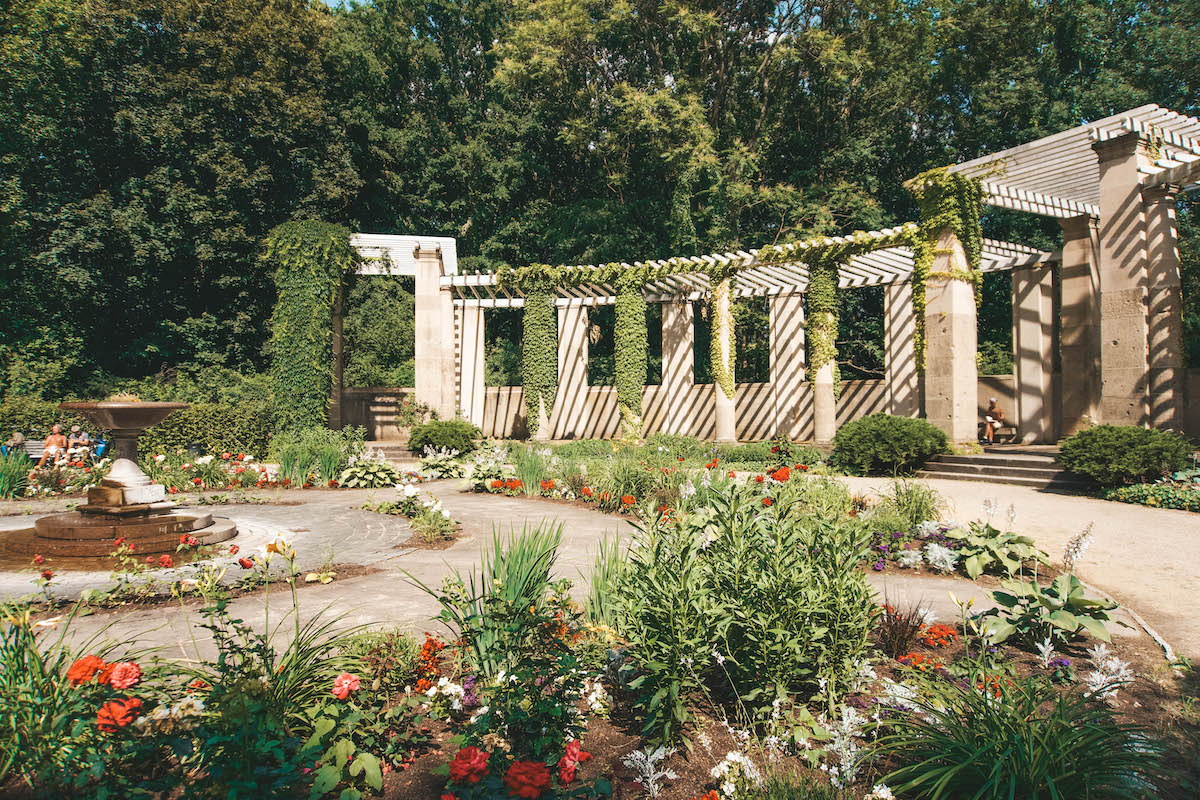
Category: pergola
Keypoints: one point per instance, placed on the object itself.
(1111, 184)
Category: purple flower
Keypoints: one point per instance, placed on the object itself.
(1061, 662)
(878, 565)
(898, 535)
(883, 548)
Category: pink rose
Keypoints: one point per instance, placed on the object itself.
(344, 684)
(125, 675)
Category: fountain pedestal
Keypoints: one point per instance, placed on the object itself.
(126, 505)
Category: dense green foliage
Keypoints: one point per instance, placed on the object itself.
(1028, 739)
(539, 354)
(379, 331)
(630, 353)
(452, 434)
(315, 454)
(309, 259)
(215, 427)
(883, 443)
(1113, 455)
(146, 148)
(1184, 497)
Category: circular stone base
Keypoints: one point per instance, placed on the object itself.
(90, 536)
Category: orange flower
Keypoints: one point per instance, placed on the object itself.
(767, 502)
(783, 474)
(84, 669)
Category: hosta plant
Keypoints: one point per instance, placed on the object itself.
(369, 475)
(982, 549)
(1061, 611)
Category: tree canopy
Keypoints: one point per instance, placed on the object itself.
(148, 146)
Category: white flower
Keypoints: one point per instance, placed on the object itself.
(1077, 547)
(719, 658)
(687, 489)
(160, 458)
(445, 513)
(410, 491)
(880, 792)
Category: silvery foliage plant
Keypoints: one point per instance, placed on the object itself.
(645, 763)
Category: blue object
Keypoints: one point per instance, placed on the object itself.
(101, 446)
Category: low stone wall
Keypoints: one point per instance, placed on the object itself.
(374, 408)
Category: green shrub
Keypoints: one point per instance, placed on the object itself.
(1025, 738)
(452, 434)
(34, 418)
(318, 452)
(1185, 497)
(369, 475)
(1114, 455)
(688, 447)
(883, 443)
(914, 501)
(758, 453)
(216, 427)
(582, 448)
(389, 657)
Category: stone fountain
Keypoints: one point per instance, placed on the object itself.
(126, 504)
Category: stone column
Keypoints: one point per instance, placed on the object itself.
(1164, 310)
(570, 404)
(787, 363)
(471, 363)
(1079, 277)
(900, 351)
(951, 371)
(722, 331)
(824, 404)
(433, 343)
(1033, 353)
(339, 344)
(1124, 337)
(679, 366)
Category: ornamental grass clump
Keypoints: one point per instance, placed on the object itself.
(1023, 737)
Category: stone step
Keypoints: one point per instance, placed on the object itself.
(998, 470)
(1002, 460)
(1058, 481)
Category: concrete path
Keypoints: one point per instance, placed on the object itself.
(1143, 557)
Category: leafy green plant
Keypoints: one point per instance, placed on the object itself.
(883, 443)
(452, 434)
(531, 467)
(1181, 496)
(369, 475)
(1016, 737)
(982, 548)
(441, 463)
(515, 574)
(317, 452)
(14, 474)
(914, 501)
(1061, 611)
(1114, 455)
(600, 606)
(387, 657)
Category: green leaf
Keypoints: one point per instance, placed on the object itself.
(327, 777)
(368, 764)
(1096, 628)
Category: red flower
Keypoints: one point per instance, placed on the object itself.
(198, 481)
(192, 541)
(132, 547)
(183, 538)
(528, 779)
(233, 549)
(117, 714)
(120, 540)
(39, 559)
(767, 501)
(469, 765)
(759, 479)
(149, 559)
(47, 574)
(245, 563)
(732, 474)
(803, 467)
(344, 684)
(628, 500)
(84, 669)
(586, 491)
(165, 560)
(172, 490)
(782, 475)
(333, 484)
(497, 484)
(711, 465)
(197, 685)
(449, 797)
(125, 675)
(570, 760)
(286, 482)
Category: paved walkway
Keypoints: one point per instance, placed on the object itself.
(1144, 557)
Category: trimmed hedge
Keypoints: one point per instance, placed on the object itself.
(1115, 455)
(216, 427)
(34, 418)
(883, 443)
(453, 434)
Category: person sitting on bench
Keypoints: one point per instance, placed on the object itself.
(993, 419)
(55, 445)
(15, 444)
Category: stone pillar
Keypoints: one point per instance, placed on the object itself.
(951, 371)
(471, 363)
(339, 344)
(1033, 353)
(824, 404)
(1079, 277)
(900, 351)
(570, 404)
(679, 367)
(433, 343)
(1124, 337)
(722, 331)
(787, 363)
(1164, 310)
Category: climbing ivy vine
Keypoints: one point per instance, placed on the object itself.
(309, 259)
(630, 353)
(947, 200)
(539, 353)
(722, 320)
(822, 298)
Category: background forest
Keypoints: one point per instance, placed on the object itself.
(147, 147)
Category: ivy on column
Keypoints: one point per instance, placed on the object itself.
(309, 260)
(539, 351)
(630, 352)
(722, 333)
(822, 326)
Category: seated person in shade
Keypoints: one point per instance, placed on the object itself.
(992, 420)
(15, 443)
(79, 439)
(55, 445)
